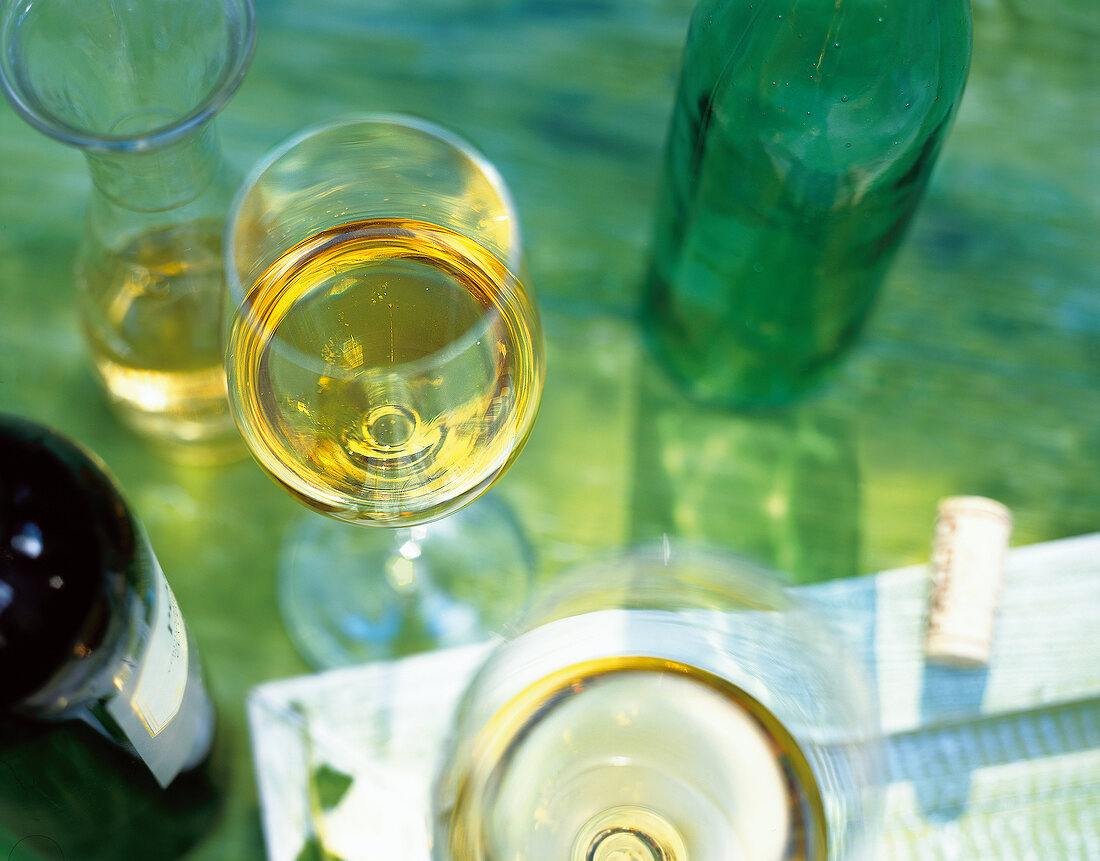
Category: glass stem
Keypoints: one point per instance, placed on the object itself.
(629, 833)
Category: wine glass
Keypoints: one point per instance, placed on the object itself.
(665, 705)
(385, 364)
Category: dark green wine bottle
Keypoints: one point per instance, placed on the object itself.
(802, 138)
(106, 730)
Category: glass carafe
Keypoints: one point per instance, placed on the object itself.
(135, 86)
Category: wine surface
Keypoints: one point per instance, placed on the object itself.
(152, 316)
(636, 758)
(385, 370)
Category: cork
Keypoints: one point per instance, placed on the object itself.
(968, 552)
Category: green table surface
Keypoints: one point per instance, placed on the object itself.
(979, 372)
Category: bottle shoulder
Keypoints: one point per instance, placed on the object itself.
(67, 544)
(849, 93)
(852, 47)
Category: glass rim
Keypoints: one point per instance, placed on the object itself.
(409, 121)
(234, 71)
(693, 576)
(238, 293)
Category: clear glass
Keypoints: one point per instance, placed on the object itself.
(385, 365)
(664, 705)
(801, 142)
(135, 86)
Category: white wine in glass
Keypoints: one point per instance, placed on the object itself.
(385, 365)
(660, 708)
(386, 370)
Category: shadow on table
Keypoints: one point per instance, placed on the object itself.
(949, 694)
(782, 488)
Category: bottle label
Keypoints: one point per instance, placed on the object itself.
(162, 707)
(162, 680)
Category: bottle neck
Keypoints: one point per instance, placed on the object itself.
(78, 684)
(159, 178)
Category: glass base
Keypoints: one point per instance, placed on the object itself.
(217, 450)
(196, 434)
(353, 594)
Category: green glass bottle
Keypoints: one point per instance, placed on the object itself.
(802, 138)
(106, 730)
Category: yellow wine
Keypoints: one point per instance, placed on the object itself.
(639, 759)
(152, 319)
(386, 370)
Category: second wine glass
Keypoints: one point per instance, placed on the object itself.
(385, 365)
(671, 703)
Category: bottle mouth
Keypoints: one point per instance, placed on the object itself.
(114, 80)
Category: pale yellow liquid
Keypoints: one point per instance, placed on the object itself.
(152, 318)
(386, 371)
(636, 759)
